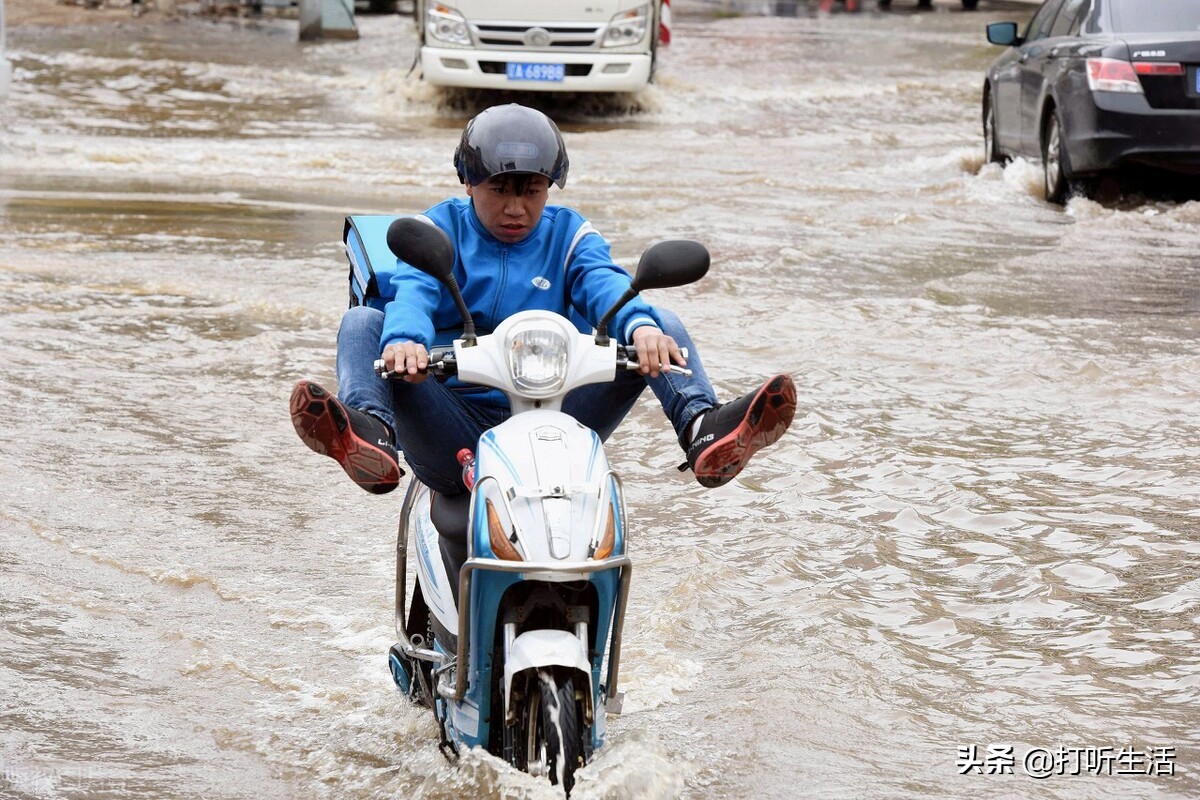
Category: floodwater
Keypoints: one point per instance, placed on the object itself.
(978, 541)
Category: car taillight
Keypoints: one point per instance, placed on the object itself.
(1112, 75)
(1157, 68)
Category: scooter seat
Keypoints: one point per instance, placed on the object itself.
(450, 514)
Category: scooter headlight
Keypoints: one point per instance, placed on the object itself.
(537, 360)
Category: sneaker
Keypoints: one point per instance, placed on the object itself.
(361, 443)
(732, 432)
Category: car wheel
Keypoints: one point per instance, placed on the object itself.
(1055, 167)
(885, 4)
(991, 151)
(970, 5)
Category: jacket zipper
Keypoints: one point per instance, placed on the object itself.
(503, 279)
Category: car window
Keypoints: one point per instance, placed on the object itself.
(1039, 26)
(1161, 16)
(1070, 17)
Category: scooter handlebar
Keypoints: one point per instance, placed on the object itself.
(442, 362)
(627, 359)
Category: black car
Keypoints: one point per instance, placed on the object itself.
(1094, 86)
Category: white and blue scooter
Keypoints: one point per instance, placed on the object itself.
(518, 650)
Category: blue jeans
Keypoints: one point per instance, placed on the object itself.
(432, 423)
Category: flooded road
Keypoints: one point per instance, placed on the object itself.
(980, 533)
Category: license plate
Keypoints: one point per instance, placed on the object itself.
(517, 71)
(1197, 74)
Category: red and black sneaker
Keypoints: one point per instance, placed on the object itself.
(361, 443)
(730, 433)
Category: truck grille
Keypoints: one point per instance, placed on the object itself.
(522, 36)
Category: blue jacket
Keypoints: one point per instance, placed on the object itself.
(564, 266)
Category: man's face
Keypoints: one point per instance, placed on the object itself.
(510, 206)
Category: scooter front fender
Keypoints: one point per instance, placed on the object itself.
(545, 648)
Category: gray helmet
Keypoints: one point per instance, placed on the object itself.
(511, 138)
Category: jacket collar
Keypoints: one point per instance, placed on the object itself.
(485, 234)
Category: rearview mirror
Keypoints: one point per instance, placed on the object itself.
(665, 264)
(429, 249)
(672, 263)
(425, 246)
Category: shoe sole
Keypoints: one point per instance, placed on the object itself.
(766, 419)
(322, 423)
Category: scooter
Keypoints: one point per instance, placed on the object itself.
(516, 643)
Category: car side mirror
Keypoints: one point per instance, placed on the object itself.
(1003, 33)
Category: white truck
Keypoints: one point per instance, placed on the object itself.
(534, 45)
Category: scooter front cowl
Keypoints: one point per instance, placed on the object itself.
(549, 495)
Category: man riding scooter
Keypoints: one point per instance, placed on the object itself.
(514, 251)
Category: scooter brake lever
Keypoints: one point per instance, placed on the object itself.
(435, 367)
(675, 369)
(631, 362)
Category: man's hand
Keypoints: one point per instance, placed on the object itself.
(409, 358)
(656, 351)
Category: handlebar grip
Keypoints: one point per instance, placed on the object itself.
(382, 371)
(627, 358)
(441, 363)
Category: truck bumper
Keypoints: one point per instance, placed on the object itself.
(487, 69)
